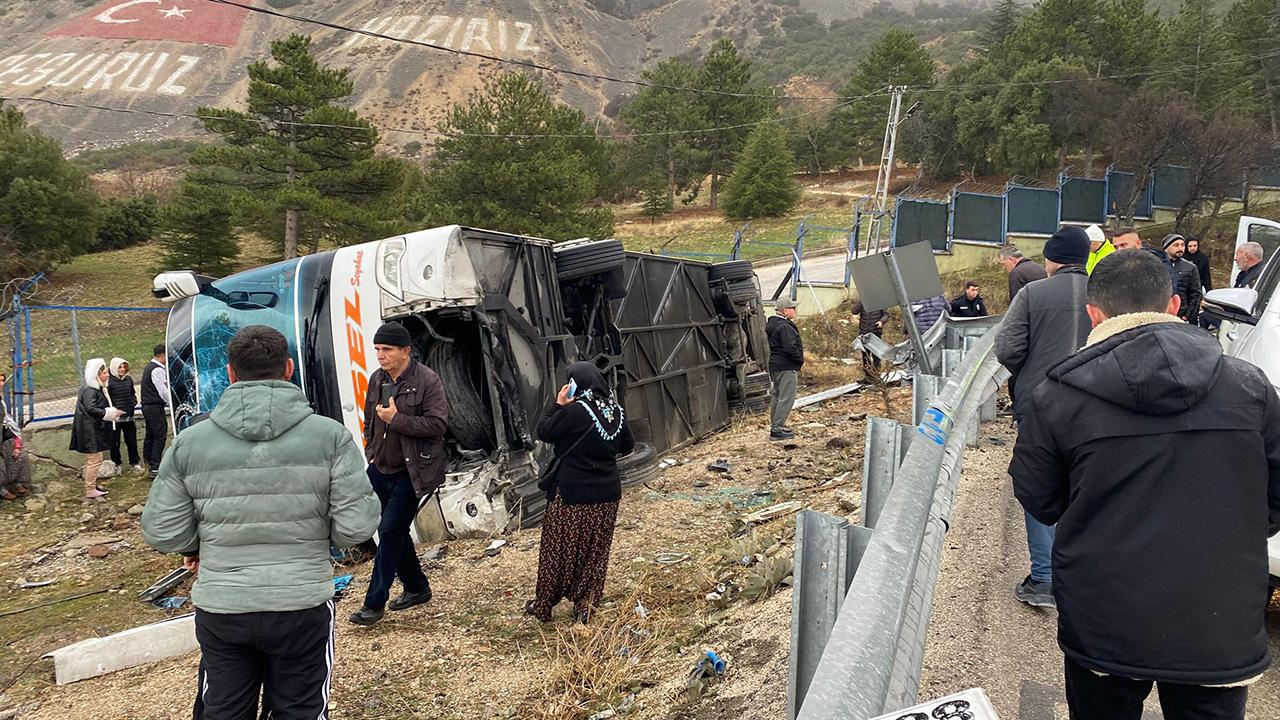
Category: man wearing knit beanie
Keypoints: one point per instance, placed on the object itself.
(1046, 323)
(1186, 277)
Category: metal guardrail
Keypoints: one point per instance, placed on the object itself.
(864, 594)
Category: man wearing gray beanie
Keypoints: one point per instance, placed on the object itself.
(1045, 324)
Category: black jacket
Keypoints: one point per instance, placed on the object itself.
(1186, 285)
(90, 433)
(151, 394)
(870, 322)
(588, 470)
(1246, 278)
(123, 396)
(1159, 461)
(1201, 261)
(420, 423)
(786, 349)
(963, 307)
(1043, 326)
(1023, 274)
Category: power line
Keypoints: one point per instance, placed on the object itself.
(529, 64)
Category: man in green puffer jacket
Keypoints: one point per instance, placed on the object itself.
(253, 499)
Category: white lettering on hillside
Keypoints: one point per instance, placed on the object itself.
(456, 33)
(122, 72)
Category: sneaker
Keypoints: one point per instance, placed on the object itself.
(137, 470)
(365, 616)
(777, 435)
(94, 494)
(408, 600)
(1036, 594)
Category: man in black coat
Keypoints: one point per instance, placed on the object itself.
(1022, 271)
(1045, 324)
(1186, 278)
(404, 444)
(1249, 260)
(786, 357)
(970, 303)
(1159, 460)
(1201, 261)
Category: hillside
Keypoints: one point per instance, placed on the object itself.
(174, 56)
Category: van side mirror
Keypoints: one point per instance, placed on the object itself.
(1232, 304)
(178, 284)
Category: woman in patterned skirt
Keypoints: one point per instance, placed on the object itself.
(589, 431)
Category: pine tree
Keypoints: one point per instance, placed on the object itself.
(661, 118)
(1252, 28)
(1004, 21)
(1126, 48)
(654, 202)
(196, 228)
(858, 125)
(305, 165)
(1197, 57)
(725, 71)
(47, 205)
(540, 186)
(762, 183)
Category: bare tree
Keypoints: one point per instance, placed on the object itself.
(1220, 154)
(1158, 128)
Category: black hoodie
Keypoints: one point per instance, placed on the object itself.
(1159, 461)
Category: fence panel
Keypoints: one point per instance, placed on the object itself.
(920, 221)
(1267, 178)
(977, 217)
(1120, 188)
(1031, 211)
(1170, 186)
(64, 337)
(1083, 200)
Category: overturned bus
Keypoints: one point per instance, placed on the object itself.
(499, 317)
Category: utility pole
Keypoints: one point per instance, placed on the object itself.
(881, 202)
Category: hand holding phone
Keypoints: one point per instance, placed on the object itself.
(573, 388)
(384, 394)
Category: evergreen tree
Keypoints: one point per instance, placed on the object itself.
(527, 185)
(1069, 30)
(196, 229)
(1252, 28)
(47, 205)
(661, 119)
(125, 222)
(305, 166)
(1003, 23)
(1126, 47)
(858, 124)
(654, 202)
(725, 71)
(1196, 58)
(762, 183)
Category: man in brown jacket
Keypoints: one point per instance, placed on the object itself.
(406, 416)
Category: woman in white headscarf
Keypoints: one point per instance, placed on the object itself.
(91, 428)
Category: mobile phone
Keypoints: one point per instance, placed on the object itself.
(384, 394)
(573, 388)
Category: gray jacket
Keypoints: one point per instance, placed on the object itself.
(260, 492)
(1046, 323)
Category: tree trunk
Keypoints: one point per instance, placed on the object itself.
(290, 233)
(1088, 159)
(671, 180)
(1062, 156)
(1271, 108)
(715, 188)
(817, 159)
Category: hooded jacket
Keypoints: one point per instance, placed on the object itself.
(121, 392)
(1201, 261)
(786, 348)
(1044, 324)
(90, 431)
(260, 492)
(589, 434)
(1096, 256)
(1159, 460)
(929, 311)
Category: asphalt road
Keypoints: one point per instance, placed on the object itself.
(980, 636)
(827, 267)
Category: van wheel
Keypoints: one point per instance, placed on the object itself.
(586, 259)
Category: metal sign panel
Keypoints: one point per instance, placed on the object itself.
(873, 277)
(968, 705)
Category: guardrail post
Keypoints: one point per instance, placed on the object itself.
(883, 454)
(951, 360)
(924, 388)
(828, 550)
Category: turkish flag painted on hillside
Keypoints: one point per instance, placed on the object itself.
(191, 21)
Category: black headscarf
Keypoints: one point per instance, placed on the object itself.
(595, 395)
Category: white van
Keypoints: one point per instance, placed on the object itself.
(1251, 319)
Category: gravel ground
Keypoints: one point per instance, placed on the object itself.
(980, 636)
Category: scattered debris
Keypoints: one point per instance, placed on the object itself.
(708, 668)
(170, 603)
(138, 646)
(839, 443)
(998, 442)
(340, 585)
(136, 510)
(164, 585)
(99, 551)
(701, 483)
(813, 426)
(494, 548)
(81, 542)
(641, 610)
(604, 714)
(670, 558)
(36, 584)
(627, 703)
(668, 462)
(772, 512)
(721, 465)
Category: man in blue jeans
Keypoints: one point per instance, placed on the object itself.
(406, 416)
(1046, 323)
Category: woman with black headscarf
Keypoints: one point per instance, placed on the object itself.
(589, 431)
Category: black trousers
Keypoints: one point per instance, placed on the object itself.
(130, 432)
(396, 555)
(157, 432)
(1105, 697)
(285, 656)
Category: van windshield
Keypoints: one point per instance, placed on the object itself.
(198, 351)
